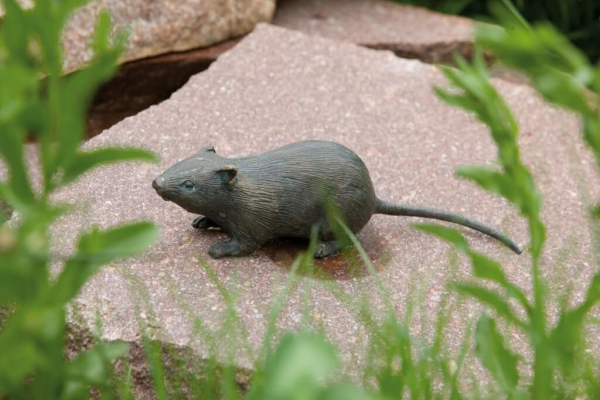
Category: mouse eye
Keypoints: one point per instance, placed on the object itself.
(188, 184)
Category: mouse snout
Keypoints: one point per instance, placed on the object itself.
(158, 184)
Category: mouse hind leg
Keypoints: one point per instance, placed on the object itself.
(327, 245)
(326, 249)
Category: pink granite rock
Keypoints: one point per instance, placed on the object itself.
(159, 27)
(279, 86)
(410, 32)
(140, 84)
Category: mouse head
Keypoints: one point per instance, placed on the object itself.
(198, 183)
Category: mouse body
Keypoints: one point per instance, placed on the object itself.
(283, 193)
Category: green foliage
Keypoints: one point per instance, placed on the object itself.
(398, 362)
(563, 76)
(577, 20)
(557, 69)
(514, 182)
(297, 366)
(303, 365)
(52, 110)
(89, 369)
(399, 365)
(495, 356)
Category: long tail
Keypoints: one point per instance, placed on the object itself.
(383, 207)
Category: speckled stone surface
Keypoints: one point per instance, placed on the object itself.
(165, 26)
(411, 32)
(162, 26)
(278, 86)
(140, 84)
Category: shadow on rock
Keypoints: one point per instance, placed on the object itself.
(346, 265)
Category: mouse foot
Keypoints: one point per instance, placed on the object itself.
(233, 248)
(326, 249)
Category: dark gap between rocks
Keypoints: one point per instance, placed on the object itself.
(142, 83)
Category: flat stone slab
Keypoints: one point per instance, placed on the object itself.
(279, 86)
(410, 32)
(159, 27)
(140, 84)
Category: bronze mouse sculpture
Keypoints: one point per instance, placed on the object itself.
(281, 193)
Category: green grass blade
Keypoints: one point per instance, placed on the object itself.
(495, 355)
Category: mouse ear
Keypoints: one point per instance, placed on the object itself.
(228, 174)
(208, 148)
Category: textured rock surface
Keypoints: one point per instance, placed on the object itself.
(279, 86)
(410, 32)
(162, 26)
(168, 43)
(142, 83)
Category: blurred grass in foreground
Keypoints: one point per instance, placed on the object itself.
(399, 365)
(577, 20)
(32, 335)
(302, 365)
